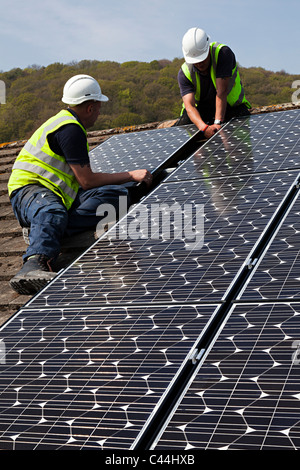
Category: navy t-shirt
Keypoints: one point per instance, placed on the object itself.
(226, 62)
(70, 142)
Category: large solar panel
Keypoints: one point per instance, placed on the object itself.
(151, 149)
(246, 393)
(127, 270)
(90, 378)
(170, 336)
(258, 143)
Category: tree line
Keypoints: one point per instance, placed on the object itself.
(139, 92)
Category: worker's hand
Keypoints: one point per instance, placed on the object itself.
(141, 175)
(211, 130)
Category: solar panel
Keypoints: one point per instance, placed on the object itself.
(125, 270)
(166, 332)
(246, 393)
(277, 276)
(90, 378)
(258, 143)
(148, 149)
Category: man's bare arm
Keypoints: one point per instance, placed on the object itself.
(88, 180)
(194, 115)
(221, 97)
(192, 112)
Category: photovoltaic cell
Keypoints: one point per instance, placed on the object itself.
(128, 271)
(148, 149)
(90, 378)
(246, 394)
(258, 143)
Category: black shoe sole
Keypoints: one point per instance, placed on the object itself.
(28, 286)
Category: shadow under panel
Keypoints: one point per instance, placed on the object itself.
(246, 394)
(90, 378)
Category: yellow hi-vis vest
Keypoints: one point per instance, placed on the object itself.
(236, 93)
(38, 164)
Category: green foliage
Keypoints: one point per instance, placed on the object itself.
(265, 88)
(139, 92)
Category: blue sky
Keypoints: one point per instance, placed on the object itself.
(262, 33)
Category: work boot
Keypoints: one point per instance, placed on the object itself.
(34, 275)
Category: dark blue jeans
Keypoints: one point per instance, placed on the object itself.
(43, 211)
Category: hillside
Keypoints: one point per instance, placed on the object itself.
(139, 92)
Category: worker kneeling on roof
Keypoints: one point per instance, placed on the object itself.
(210, 84)
(52, 188)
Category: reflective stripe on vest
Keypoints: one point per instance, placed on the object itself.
(47, 175)
(37, 163)
(43, 156)
(236, 94)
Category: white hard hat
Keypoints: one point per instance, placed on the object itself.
(82, 88)
(195, 45)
